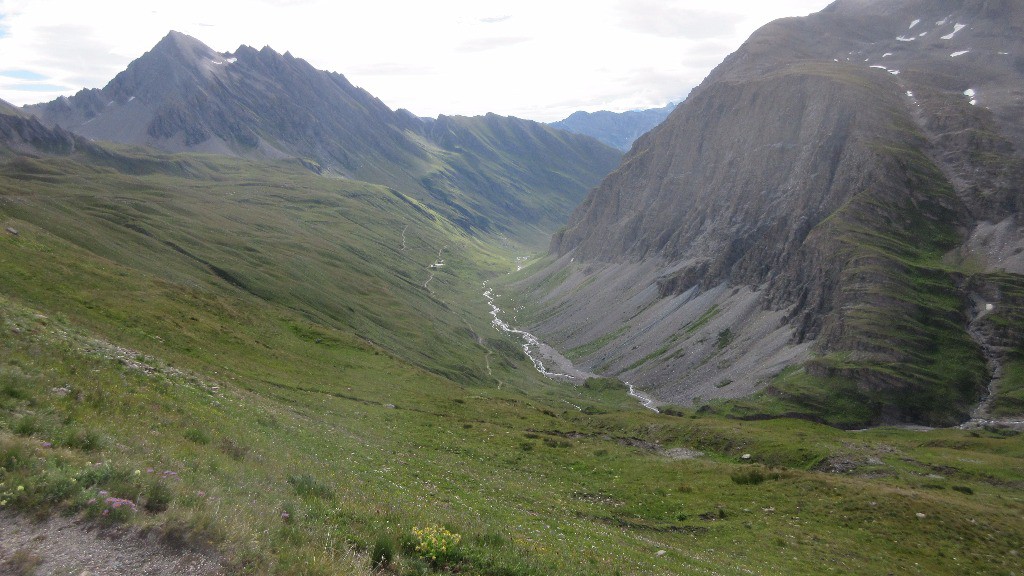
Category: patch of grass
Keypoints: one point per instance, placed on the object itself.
(89, 440)
(692, 327)
(593, 346)
(26, 425)
(1009, 399)
(725, 337)
(157, 496)
(198, 436)
(22, 562)
(307, 486)
(382, 553)
(754, 476)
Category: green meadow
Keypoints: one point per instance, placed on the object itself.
(261, 364)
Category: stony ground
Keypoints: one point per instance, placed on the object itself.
(62, 546)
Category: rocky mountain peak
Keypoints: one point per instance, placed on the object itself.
(182, 45)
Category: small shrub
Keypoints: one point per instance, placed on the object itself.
(13, 392)
(307, 486)
(87, 440)
(725, 337)
(104, 475)
(233, 449)
(26, 426)
(198, 436)
(526, 446)
(53, 489)
(748, 477)
(383, 552)
(435, 544)
(964, 489)
(110, 509)
(491, 539)
(157, 497)
(288, 513)
(22, 563)
(13, 454)
(673, 410)
(197, 531)
(754, 476)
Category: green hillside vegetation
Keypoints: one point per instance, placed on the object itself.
(263, 363)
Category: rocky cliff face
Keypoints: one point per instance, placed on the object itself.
(803, 224)
(184, 96)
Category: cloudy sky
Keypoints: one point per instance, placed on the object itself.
(537, 59)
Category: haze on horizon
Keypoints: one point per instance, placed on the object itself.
(532, 59)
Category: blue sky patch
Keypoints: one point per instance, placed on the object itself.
(22, 75)
(37, 88)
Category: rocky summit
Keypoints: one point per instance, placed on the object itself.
(828, 227)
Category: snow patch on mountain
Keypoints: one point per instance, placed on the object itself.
(956, 28)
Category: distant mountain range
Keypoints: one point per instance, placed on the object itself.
(832, 221)
(616, 129)
(184, 96)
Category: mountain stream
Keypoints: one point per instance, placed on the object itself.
(557, 366)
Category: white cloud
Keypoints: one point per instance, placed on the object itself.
(674, 19)
(529, 58)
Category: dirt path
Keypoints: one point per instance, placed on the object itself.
(439, 263)
(61, 545)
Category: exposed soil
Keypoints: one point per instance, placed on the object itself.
(67, 546)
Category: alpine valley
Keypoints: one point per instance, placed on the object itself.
(254, 321)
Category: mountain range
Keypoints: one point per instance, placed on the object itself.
(259, 104)
(616, 129)
(830, 222)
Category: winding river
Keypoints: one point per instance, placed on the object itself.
(558, 367)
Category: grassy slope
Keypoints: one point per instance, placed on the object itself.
(506, 175)
(270, 401)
